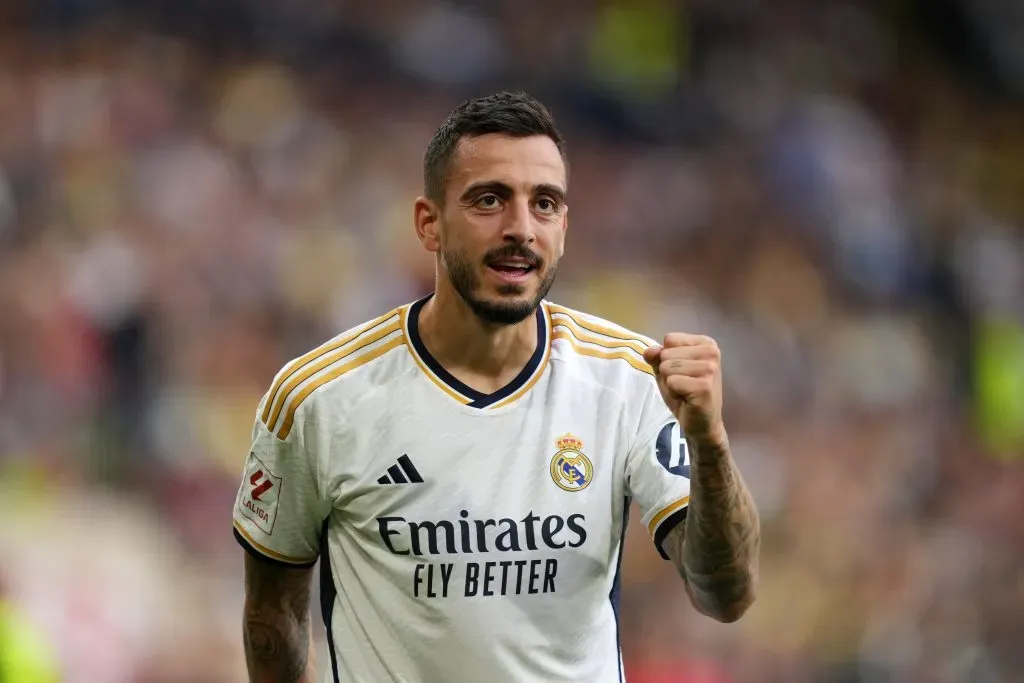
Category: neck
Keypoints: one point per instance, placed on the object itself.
(482, 355)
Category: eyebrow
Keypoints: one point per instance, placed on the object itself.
(553, 191)
(504, 191)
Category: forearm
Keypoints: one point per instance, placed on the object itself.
(278, 645)
(722, 539)
(276, 625)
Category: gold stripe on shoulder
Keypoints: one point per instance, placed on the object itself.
(590, 326)
(273, 554)
(274, 396)
(627, 356)
(326, 360)
(668, 510)
(590, 338)
(289, 419)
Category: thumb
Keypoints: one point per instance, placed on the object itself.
(652, 354)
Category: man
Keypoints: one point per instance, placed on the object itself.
(463, 466)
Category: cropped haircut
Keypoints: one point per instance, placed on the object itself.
(515, 114)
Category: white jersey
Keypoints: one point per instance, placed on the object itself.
(464, 536)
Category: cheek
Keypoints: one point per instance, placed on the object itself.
(463, 247)
(555, 242)
(473, 235)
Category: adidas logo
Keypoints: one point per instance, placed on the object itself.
(403, 472)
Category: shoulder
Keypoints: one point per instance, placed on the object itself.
(607, 345)
(340, 362)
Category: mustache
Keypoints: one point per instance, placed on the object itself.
(514, 251)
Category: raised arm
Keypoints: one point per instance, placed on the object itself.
(276, 627)
(716, 549)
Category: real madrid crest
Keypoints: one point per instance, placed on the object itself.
(570, 469)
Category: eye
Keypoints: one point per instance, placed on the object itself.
(488, 201)
(547, 205)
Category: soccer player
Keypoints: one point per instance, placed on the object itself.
(462, 466)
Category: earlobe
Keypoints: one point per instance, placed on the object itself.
(426, 216)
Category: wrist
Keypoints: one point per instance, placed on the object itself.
(715, 440)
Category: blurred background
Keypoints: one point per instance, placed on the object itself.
(192, 193)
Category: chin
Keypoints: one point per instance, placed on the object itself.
(507, 292)
(505, 309)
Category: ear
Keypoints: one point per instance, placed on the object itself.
(427, 219)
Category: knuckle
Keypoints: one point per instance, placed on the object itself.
(676, 339)
(677, 354)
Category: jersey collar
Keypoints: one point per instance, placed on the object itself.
(463, 393)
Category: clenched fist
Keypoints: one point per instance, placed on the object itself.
(688, 368)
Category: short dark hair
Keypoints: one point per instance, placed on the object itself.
(506, 113)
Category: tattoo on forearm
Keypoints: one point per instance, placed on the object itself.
(276, 623)
(718, 551)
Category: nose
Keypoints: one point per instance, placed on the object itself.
(518, 225)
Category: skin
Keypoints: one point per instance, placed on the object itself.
(276, 626)
(503, 195)
(506, 197)
(716, 550)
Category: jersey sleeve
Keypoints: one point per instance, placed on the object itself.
(279, 511)
(658, 467)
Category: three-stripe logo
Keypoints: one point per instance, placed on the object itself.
(402, 472)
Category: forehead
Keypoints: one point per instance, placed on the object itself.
(521, 163)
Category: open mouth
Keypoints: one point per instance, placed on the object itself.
(513, 269)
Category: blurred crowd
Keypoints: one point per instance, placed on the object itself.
(193, 193)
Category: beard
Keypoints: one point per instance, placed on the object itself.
(507, 311)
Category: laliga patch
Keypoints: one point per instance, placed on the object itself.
(261, 491)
